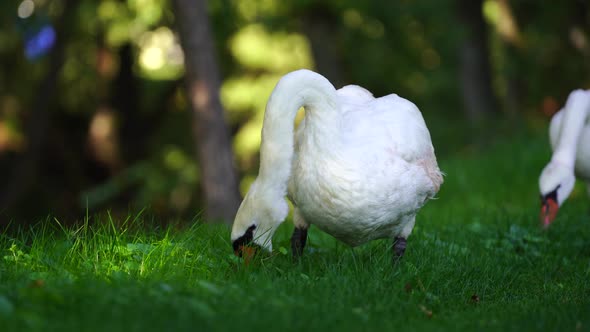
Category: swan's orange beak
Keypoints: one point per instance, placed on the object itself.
(549, 208)
(244, 246)
(247, 253)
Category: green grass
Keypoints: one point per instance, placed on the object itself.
(477, 260)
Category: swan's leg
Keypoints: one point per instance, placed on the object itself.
(299, 237)
(399, 247)
(400, 241)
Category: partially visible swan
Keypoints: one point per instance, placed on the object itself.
(569, 133)
(359, 169)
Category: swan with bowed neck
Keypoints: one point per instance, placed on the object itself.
(358, 167)
(569, 134)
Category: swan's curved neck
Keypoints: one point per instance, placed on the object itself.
(302, 88)
(573, 123)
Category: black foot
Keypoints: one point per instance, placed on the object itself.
(399, 248)
(298, 240)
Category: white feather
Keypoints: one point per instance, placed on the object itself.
(359, 168)
(569, 134)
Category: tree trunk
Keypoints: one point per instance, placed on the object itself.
(475, 73)
(218, 178)
(319, 25)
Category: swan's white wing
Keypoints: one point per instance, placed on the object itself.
(391, 123)
(409, 135)
(582, 151)
(391, 126)
(355, 94)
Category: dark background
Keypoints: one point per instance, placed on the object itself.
(125, 105)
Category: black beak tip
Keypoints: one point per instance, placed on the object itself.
(245, 240)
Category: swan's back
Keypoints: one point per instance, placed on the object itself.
(355, 94)
(389, 123)
(583, 150)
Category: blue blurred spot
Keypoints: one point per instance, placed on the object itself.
(40, 43)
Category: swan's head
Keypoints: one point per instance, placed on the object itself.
(555, 184)
(258, 217)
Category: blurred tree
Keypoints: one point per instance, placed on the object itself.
(24, 170)
(321, 26)
(218, 177)
(475, 69)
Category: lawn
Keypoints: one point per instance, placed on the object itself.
(477, 260)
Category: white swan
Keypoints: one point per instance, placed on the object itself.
(569, 133)
(360, 167)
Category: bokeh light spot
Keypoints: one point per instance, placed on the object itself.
(26, 9)
(40, 43)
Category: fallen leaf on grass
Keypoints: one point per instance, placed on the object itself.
(37, 283)
(427, 312)
(408, 287)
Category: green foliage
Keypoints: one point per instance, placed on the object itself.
(477, 260)
(166, 180)
(124, 56)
